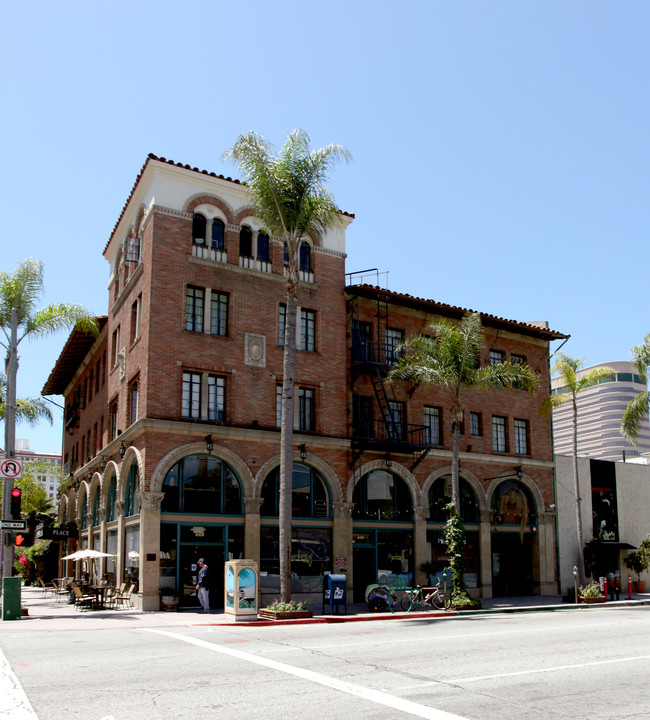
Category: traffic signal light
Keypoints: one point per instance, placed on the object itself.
(16, 495)
(23, 539)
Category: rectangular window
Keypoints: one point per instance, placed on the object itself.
(432, 430)
(517, 360)
(133, 402)
(305, 409)
(98, 371)
(91, 382)
(115, 346)
(475, 424)
(101, 433)
(308, 330)
(191, 398)
(521, 437)
(496, 356)
(135, 320)
(218, 313)
(362, 416)
(392, 340)
(194, 302)
(216, 398)
(113, 420)
(361, 339)
(282, 324)
(278, 405)
(103, 368)
(498, 434)
(399, 419)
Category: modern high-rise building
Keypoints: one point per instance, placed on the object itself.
(600, 409)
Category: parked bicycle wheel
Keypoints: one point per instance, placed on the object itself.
(441, 601)
(411, 604)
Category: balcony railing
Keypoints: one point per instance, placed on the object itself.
(401, 437)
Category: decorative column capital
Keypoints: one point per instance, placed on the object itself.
(253, 505)
(342, 509)
(486, 516)
(150, 500)
(102, 515)
(421, 512)
(119, 506)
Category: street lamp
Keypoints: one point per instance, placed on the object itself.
(575, 582)
(208, 443)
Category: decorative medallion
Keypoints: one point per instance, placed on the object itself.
(255, 350)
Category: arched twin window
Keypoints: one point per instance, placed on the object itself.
(110, 499)
(96, 508)
(131, 505)
(380, 495)
(200, 232)
(246, 242)
(84, 512)
(309, 496)
(440, 496)
(304, 256)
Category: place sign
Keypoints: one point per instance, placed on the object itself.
(13, 524)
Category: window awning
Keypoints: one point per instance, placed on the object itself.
(619, 545)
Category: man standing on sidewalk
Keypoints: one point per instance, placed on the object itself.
(203, 586)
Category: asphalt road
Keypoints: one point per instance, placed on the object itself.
(570, 664)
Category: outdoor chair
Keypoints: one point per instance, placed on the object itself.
(81, 601)
(124, 599)
(60, 590)
(47, 589)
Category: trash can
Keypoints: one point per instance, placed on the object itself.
(11, 598)
(335, 593)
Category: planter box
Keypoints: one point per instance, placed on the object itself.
(467, 607)
(592, 601)
(639, 586)
(284, 615)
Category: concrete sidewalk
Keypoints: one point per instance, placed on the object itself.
(44, 613)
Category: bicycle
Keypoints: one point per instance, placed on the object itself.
(419, 596)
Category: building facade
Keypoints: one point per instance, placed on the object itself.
(600, 410)
(172, 415)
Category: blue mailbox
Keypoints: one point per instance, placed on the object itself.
(335, 592)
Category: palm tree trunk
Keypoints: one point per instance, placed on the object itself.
(10, 434)
(457, 419)
(286, 446)
(576, 485)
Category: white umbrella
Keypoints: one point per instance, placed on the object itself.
(86, 554)
(133, 554)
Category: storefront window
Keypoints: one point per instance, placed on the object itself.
(111, 549)
(440, 497)
(132, 554)
(512, 504)
(437, 555)
(202, 484)
(110, 500)
(309, 497)
(380, 495)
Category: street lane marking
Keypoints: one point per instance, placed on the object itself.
(375, 696)
(545, 670)
(14, 704)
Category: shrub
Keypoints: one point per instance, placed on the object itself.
(290, 606)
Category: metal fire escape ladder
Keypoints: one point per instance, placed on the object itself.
(392, 431)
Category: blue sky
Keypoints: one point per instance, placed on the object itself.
(501, 155)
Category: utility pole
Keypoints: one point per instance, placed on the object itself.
(11, 369)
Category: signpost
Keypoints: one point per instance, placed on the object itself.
(13, 525)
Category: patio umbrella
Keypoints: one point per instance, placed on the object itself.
(86, 554)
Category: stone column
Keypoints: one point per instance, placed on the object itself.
(149, 577)
(420, 515)
(102, 538)
(485, 553)
(252, 529)
(342, 542)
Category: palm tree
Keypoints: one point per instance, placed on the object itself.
(31, 410)
(567, 369)
(20, 318)
(290, 198)
(450, 357)
(637, 409)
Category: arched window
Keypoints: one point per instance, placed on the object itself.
(96, 508)
(305, 256)
(199, 228)
(512, 504)
(246, 242)
(309, 497)
(130, 498)
(110, 499)
(218, 234)
(380, 495)
(263, 247)
(202, 484)
(440, 497)
(84, 512)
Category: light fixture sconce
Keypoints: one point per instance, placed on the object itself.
(208, 443)
(519, 473)
(389, 462)
(90, 475)
(122, 449)
(102, 463)
(303, 451)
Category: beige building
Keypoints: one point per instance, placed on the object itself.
(600, 409)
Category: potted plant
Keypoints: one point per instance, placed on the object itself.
(292, 610)
(637, 561)
(590, 593)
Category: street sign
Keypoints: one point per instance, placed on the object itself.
(52, 533)
(13, 524)
(11, 468)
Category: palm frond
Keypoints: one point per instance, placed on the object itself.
(635, 413)
(641, 359)
(53, 318)
(21, 290)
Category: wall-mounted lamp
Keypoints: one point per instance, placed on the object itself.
(122, 449)
(90, 475)
(208, 443)
(303, 451)
(389, 462)
(519, 473)
(102, 463)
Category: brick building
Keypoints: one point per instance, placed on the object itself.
(172, 414)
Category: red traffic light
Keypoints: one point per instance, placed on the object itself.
(23, 539)
(15, 503)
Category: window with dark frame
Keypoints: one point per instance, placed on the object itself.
(133, 401)
(218, 313)
(191, 395)
(498, 434)
(263, 247)
(306, 413)
(216, 398)
(218, 234)
(432, 426)
(307, 330)
(496, 356)
(305, 256)
(194, 308)
(392, 339)
(282, 323)
(521, 437)
(199, 229)
(246, 242)
(475, 424)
